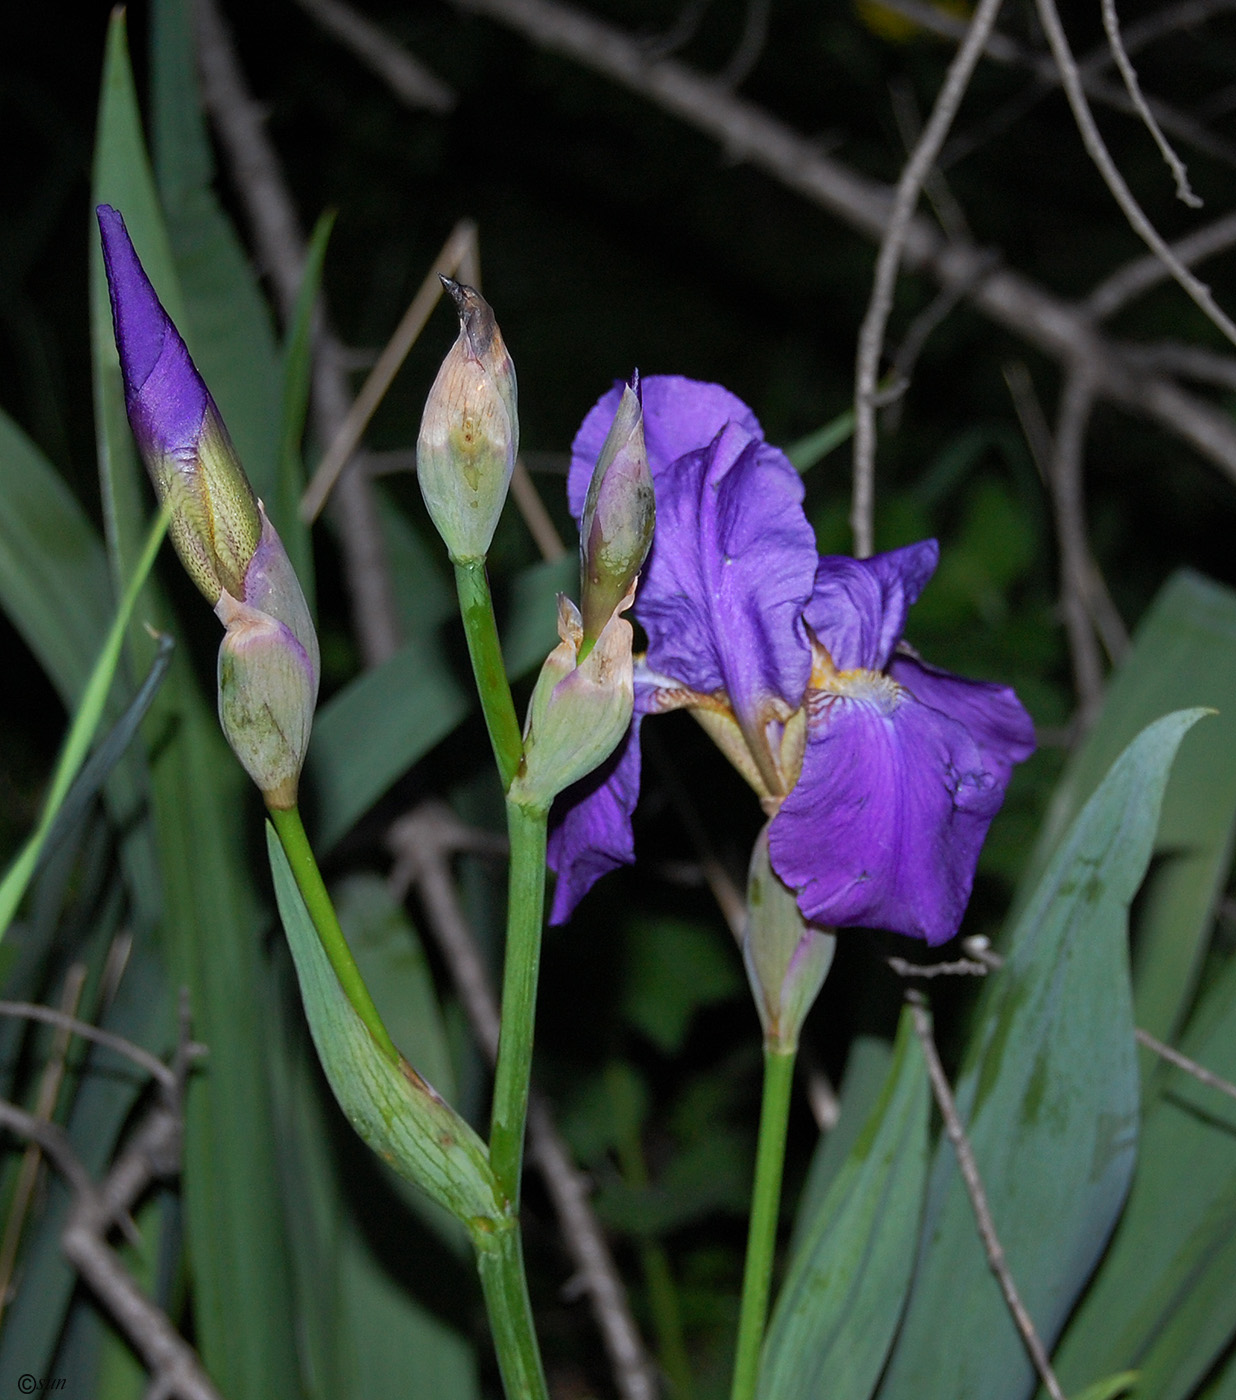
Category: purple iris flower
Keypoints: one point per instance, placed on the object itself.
(880, 773)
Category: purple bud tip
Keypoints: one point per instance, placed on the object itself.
(165, 396)
(633, 385)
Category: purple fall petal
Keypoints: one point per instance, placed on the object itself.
(884, 828)
(994, 716)
(590, 825)
(858, 608)
(680, 416)
(165, 395)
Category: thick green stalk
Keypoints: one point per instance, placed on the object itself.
(501, 1266)
(296, 847)
(477, 609)
(525, 911)
(765, 1207)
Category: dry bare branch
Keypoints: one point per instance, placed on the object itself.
(407, 77)
(152, 1154)
(748, 132)
(888, 260)
(1198, 292)
(1068, 499)
(1115, 292)
(1111, 24)
(1182, 1062)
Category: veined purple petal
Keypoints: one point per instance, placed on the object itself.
(994, 716)
(731, 567)
(165, 395)
(858, 607)
(590, 824)
(680, 416)
(885, 825)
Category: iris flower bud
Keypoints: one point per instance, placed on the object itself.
(580, 708)
(786, 956)
(469, 434)
(619, 514)
(268, 662)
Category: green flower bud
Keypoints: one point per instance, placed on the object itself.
(787, 958)
(619, 514)
(469, 434)
(268, 672)
(580, 709)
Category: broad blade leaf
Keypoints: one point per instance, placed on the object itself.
(1184, 653)
(1163, 1302)
(1051, 1097)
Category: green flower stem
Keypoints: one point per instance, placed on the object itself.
(765, 1207)
(477, 609)
(525, 911)
(296, 847)
(501, 1266)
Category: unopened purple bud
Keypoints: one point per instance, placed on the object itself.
(215, 522)
(787, 957)
(268, 661)
(619, 515)
(469, 436)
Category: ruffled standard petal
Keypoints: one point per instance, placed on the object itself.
(858, 606)
(680, 416)
(992, 714)
(885, 825)
(731, 568)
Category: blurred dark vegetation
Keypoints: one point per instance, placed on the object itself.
(613, 236)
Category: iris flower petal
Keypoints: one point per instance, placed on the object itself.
(590, 823)
(858, 608)
(993, 715)
(884, 828)
(731, 568)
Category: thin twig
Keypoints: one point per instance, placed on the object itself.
(960, 967)
(1188, 361)
(1001, 49)
(1076, 405)
(748, 132)
(152, 1154)
(538, 520)
(1111, 24)
(1115, 292)
(1174, 1057)
(888, 260)
(750, 46)
(45, 1108)
(31, 1011)
(407, 77)
(388, 364)
(978, 1197)
(239, 122)
(423, 843)
(1049, 17)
